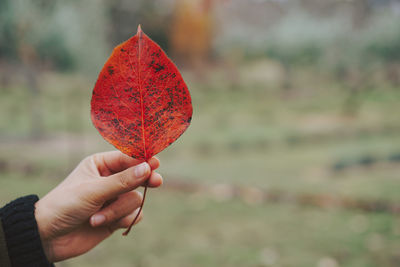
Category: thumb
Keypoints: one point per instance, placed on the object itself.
(122, 182)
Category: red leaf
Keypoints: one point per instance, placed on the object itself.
(140, 103)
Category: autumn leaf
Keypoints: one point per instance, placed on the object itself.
(140, 103)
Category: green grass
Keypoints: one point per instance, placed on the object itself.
(247, 133)
(196, 230)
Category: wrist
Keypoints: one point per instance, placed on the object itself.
(40, 215)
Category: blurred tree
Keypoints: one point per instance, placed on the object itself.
(15, 47)
(43, 35)
(385, 50)
(125, 15)
(291, 56)
(360, 10)
(25, 37)
(191, 31)
(361, 13)
(319, 8)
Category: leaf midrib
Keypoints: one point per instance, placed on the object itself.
(141, 96)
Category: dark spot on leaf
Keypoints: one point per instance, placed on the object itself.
(110, 70)
(115, 122)
(158, 68)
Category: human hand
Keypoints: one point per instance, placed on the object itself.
(96, 199)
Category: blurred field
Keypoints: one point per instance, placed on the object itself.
(249, 134)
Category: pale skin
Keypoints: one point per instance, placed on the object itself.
(95, 200)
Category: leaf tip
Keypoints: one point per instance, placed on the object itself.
(139, 31)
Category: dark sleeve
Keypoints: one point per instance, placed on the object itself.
(21, 233)
(4, 259)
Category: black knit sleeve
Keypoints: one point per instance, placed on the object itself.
(22, 234)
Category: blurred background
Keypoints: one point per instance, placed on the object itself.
(293, 155)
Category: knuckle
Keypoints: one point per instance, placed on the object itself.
(111, 214)
(96, 158)
(126, 181)
(137, 196)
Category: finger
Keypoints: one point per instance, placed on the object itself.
(126, 221)
(123, 206)
(119, 183)
(155, 180)
(154, 163)
(115, 161)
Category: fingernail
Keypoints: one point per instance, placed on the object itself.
(141, 169)
(98, 219)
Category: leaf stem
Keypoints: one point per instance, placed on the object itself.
(140, 210)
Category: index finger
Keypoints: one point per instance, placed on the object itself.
(112, 162)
